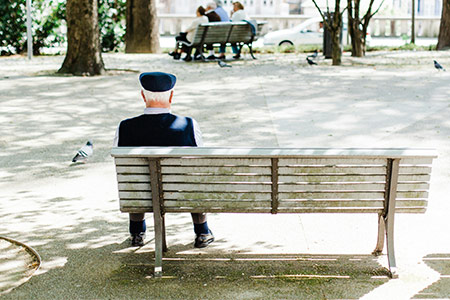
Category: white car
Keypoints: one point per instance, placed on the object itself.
(308, 32)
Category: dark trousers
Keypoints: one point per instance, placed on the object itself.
(197, 218)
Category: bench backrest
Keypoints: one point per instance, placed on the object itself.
(273, 180)
(225, 32)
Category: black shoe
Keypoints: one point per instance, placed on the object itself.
(212, 57)
(222, 57)
(203, 240)
(173, 53)
(176, 56)
(137, 239)
(187, 58)
(237, 56)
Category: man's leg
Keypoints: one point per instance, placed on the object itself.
(204, 236)
(137, 229)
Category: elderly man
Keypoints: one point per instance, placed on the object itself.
(159, 127)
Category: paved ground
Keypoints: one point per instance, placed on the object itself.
(69, 214)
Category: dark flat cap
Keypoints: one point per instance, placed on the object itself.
(157, 81)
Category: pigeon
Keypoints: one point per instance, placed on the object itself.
(310, 61)
(84, 152)
(314, 55)
(438, 66)
(223, 65)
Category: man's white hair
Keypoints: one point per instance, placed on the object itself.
(211, 5)
(157, 96)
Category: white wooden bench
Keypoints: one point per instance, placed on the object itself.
(224, 33)
(274, 180)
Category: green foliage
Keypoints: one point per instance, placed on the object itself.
(47, 17)
(111, 15)
(12, 25)
(49, 26)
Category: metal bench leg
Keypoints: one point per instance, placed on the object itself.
(164, 243)
(158, 243)
(390, 245)
(251, 50)
(381, 233)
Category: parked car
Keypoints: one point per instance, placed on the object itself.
(308, 32)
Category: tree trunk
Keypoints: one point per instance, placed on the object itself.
(336, 47)
(444, 31)
(142, 33)
(83, 38)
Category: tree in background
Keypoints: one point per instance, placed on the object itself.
(444, 30)
(333, 22)
(142, 30)
(357, 26)
(83, 39)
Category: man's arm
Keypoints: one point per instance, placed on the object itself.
(116, 137)
(197, 134)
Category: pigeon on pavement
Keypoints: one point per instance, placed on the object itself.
(223, 65)
(84, 152)
(438, 66)
(310, 61)
(314, 55)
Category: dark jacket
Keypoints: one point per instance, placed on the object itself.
(213, 16)
(157, 130)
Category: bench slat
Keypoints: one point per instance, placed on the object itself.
(135, 195)
(133, 178)
(331, 195)
(332, 187)
(283, 162)
(216, 196)
(414, 170)
(412, 177)
(216, 170)
(218, 204)
(134, 186)
(217, 188)
(216, 162)
(331, 170)
(350, 203)
(318, 178)
(216, 178)
(350, 195)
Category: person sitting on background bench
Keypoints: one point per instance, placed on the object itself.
(212, 17)
(188, 35)
(237, 14)
(159, 127)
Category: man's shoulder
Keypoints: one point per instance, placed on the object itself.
(156, 117)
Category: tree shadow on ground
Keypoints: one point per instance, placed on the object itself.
(441, 288)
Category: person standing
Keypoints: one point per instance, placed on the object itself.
(159, 127)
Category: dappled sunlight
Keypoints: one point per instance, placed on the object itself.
(70, 213)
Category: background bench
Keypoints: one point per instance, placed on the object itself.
(270, 180)
(224, 33)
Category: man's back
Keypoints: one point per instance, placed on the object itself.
(157, 130)
(213, 16)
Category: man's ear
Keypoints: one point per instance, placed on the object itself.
(171, 95)
(143, 96)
